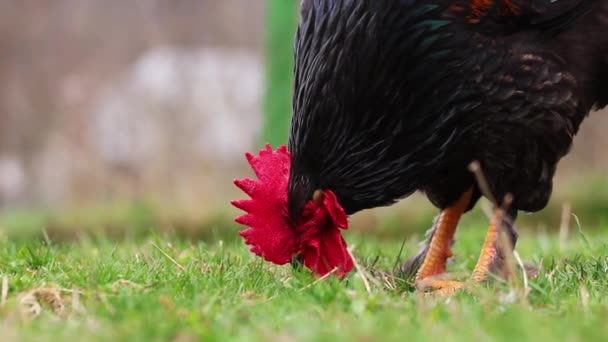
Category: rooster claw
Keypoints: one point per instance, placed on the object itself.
(440, 288)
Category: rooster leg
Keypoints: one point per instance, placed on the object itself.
(439, 248)
(496, 247)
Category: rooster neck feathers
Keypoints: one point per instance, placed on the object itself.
(358, 104)
(479, 9)
(504, 17)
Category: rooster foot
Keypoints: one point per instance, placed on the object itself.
(439, 287)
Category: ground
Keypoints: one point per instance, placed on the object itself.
(166, 288)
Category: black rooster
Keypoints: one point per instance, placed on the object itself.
(397, 96)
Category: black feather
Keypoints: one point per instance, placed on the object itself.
(396, 96)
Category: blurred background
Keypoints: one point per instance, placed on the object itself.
(128, 116)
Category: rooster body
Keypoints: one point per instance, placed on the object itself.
(416, 90)
(397, 96)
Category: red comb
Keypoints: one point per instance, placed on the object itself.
(270, 234)
(315, 236)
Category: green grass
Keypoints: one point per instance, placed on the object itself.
(281, 22)
(161, 288)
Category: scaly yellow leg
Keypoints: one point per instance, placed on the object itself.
(491, 250)
(439, 251)
(488, 253)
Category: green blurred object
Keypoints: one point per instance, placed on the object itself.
(281, 24)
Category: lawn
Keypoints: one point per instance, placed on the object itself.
(166, 288)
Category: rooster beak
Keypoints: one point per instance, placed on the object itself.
(318, 197)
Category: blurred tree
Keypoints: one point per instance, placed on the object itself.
(281, 25)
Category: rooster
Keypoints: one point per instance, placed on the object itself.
(397, 96)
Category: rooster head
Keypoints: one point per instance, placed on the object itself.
(314, 237)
